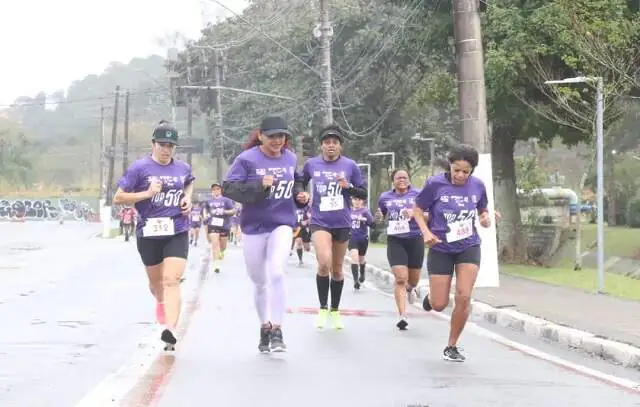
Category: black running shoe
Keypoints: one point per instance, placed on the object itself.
(277, 343)
(451, 354)
(426, 305)
(356, 285)
(265, 339)
(402, 324)
(169, 339)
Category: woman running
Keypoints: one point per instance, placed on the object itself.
(161, 188)
(453, 201)
(262, 179)
(235, 234)
(405, 246)
(336, 179)
(196, 223)
(361, 221)
(219, 210)
(301, 237)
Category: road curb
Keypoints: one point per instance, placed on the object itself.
(616, 352)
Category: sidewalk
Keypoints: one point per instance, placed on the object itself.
(601, 315)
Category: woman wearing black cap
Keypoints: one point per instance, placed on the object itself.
(161, 188)
(336, 179)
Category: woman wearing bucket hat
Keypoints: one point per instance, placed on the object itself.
(161, 188)
(262, 179)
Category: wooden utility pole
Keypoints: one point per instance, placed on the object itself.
(112, 149)
(189, 129)
(125, 143)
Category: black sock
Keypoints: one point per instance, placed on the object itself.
(299, 251)
(293, 243)
(336, 294)
(322, 283)
(354, 271)
(362, 267)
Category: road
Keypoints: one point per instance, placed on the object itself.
(83, 331)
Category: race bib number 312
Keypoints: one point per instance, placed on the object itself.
(158, 227)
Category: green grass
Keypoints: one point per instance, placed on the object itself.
(586, 279)
(619, 241)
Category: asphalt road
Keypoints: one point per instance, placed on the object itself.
(78, 312)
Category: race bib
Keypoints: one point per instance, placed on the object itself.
(460, 230)
(158, 227)
(195, 217)
(398, 227)
(331, 203)
(217, 222)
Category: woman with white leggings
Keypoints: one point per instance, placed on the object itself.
(262, 179)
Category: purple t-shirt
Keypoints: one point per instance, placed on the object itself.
(361, 220)
(453, 210)
(279, 208)
(215, 207)
(303, 215)
(391, 204)
(331, 206)
(196, 216)
(175, 177)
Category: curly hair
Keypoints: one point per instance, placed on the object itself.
(254, 140)
(464, 152)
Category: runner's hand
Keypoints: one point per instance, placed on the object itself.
(185, 205)
(485, 219)
(303, 198)
(431, 240)
(267, 181)
(408, 212)
(379, 215)
(155, 187)
(343, 183)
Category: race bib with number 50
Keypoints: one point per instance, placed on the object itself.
(158, 227)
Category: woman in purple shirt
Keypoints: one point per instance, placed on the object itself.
(405, 247)
(454, 201)
(161, 188)
(262, 179)
(361, 221)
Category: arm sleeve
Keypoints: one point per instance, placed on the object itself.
(239, 188)
(426, 197)
(359, 188)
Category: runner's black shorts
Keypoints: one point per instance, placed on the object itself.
(340, 235)
(217, 229)
(153, 251)
(444, 264)
(304, 234)
(360, 245)
(408, 252)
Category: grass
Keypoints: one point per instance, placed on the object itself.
(586, 279)
(619, 241)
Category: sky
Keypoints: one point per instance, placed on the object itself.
(47, 44)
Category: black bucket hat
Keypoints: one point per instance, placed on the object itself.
(332, 131)
(274, 125)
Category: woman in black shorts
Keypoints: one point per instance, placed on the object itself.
(405, 246)
(454, 201)
(361, 221)
(161, 188)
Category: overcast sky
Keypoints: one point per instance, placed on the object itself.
(47, 44)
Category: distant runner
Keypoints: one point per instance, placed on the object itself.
(361, 221)
(219, 210)
(196, 223)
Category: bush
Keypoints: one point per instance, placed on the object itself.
(633, 212)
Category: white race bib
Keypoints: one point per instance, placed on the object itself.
(195, 217)
(398, 227)
(460, 230)
(331, 203)
(158, 227)
(217, 222)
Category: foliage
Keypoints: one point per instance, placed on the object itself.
(633, 212)
(15, 162)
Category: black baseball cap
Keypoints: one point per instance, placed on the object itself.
(332, 131)
(165, 133)
(274, 125)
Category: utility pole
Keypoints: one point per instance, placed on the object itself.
(189, 129)
(125, 143)
(471, 89)
(102, 157)
(326, 32)
(112, 149)
(218, 118)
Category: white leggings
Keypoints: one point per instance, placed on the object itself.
(265, 257)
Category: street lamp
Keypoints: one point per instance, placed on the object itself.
(383, 153)
(599, 165)
(432, 148)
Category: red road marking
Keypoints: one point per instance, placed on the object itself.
(149, 388)
(355, 312)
